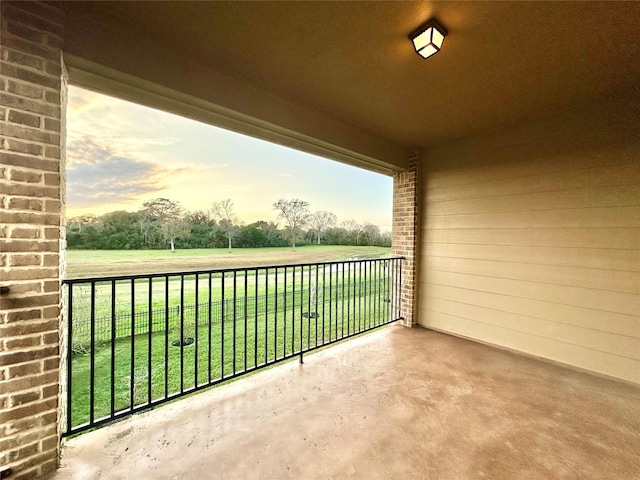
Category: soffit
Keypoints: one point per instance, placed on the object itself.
(502, 62)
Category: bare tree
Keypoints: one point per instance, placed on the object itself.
(320, 222)
(296, 213)
(353, 229)
(227, 221)
(169, 215)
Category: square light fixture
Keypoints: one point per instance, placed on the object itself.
(428, 39)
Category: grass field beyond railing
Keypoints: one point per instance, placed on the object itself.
(137, 341)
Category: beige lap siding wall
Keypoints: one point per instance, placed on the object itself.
(531, 239)
(31, 180)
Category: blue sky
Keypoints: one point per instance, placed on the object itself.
(120, 154)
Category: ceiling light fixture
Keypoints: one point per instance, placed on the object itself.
(427, 39)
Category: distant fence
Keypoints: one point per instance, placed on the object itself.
(119, 325)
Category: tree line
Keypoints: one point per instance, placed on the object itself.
(162, 223)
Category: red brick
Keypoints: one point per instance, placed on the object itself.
(32, 48)
(51, 179)
(31, 381)
(24, 147)
(45, 80)
(25, 60)
(23, 398)
(25, 369)
(19, 357)
(26, 328)
(24, 315)
(17, 203)
(50, 391)
(23, 452)
(29, 219)
(24, 260)
(37, 15)
(40, 300)
(25, 90)
(25, 176)
(29, 105)
(51, 338)
(24, 118)
(26, 133)
(51, 364)
(31, 233)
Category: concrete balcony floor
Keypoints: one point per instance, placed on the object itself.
(397, 403)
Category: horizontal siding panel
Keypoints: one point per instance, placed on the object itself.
(599, 258)
(621, 195)
(597, 361)
(584, 337)
(611, 280)
(627, 174)
(615, 217)
(619, 302)
(612, 238)
(618, 323)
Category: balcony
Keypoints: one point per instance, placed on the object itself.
(395, 403)
(137, 341)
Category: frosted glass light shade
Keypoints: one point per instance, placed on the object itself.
(428, 39)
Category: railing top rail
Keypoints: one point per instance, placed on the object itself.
(136, 276)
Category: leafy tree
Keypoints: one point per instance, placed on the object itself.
(201, 229)
(321, 221)
(296, 213)
(371, 234)
(227, 220)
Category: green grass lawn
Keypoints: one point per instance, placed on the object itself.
(90, 263)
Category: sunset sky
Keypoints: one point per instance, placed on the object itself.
(120, 154)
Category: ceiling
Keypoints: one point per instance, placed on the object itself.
(502, 62)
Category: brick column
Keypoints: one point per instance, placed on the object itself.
(405, 235)
(31, 236)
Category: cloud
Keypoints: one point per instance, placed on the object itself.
(96, 175)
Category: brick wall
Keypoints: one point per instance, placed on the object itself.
(31, 236)
(404, 234)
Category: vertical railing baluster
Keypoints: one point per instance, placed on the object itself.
(347, 300)
(284, 316)
(301, 308)
(113, 348)
(400, 292)
(376, 291)
(181, 341)
(166, 336)
(361, 265)
(70, 357)
(275, 321)
(342, 303)
(132, 297)
(222, 305)
(92, 358)
(209, 315)
(324, 278)
(255, 320)
(293, 309)
(266, 315)
(316, 304)
(235, 298)
(246, 295)
(309, 308)
(196, 339)
(330, 298)
(149, 360)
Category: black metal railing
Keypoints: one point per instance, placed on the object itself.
(136, 341)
